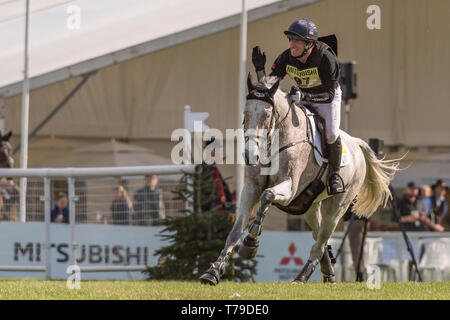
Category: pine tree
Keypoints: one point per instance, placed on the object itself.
(197, 238)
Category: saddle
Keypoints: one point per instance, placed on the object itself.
(320, 125)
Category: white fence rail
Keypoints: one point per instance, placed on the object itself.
(82, 183)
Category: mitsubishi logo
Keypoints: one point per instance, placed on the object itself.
(285, 260)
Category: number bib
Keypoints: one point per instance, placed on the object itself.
(306, 78)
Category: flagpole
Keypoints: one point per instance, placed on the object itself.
(241, 103)
(25, 119)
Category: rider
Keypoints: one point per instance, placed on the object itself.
(314, 67)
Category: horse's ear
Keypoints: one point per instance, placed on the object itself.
(250, 85)
(274, 88)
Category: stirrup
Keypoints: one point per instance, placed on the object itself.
(339, 190)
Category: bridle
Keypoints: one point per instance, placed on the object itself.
(263, 94)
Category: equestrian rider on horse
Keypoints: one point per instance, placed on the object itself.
(314, 67)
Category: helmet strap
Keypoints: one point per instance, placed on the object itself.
(304, 51)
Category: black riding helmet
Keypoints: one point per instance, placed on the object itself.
(303, 29)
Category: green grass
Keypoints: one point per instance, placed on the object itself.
(172, 290)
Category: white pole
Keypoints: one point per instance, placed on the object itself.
(187, 158)
(25, 116)
(241, 102)
(187, 137)
(72, 217)
(2, 115)
(47, 212)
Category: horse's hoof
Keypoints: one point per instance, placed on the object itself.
(208, 278)
(249, 248)
(298, 280)
(329, 279)
(306, 272)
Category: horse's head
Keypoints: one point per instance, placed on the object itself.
(259, 116)
(6, 159)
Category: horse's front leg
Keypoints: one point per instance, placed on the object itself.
(281, 193)
(249, 198)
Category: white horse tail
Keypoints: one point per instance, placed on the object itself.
(375, 189)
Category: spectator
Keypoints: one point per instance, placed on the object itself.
(10, 196)
(411, 209)
(121, 206)
(148, 203)
(60, 213)
(3, 215)
(222, 190)
(426, 195)
(427, 216)
(439, 204)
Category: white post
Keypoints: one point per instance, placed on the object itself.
(2, 115)
(25, 116)
(401, 275)
(187, 154)
(187, 137)
(47, 213)
(241, 103)
(72, 199)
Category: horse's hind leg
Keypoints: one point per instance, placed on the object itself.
(249, 198)
(330, 219)
(327, 269)
(313, 218)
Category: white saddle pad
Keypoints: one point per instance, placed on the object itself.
(345, 160)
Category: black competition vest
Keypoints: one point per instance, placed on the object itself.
(307, 77)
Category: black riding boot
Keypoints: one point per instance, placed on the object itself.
(335, 182)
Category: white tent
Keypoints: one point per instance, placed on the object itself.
(59, 50)
(109, 154)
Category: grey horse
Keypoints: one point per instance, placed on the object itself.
(366, 179)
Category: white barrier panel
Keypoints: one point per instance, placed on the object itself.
(282, 255)
(280, 258)
(23, 244)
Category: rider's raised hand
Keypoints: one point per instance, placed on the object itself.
(258, 59)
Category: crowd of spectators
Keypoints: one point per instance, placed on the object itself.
(146, 209)
(424, 208)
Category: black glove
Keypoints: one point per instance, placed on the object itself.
(258, 59)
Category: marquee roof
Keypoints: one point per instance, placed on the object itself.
(110, 31)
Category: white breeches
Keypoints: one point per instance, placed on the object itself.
(331, 112)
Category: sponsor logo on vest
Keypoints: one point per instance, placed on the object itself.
(307, 78)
